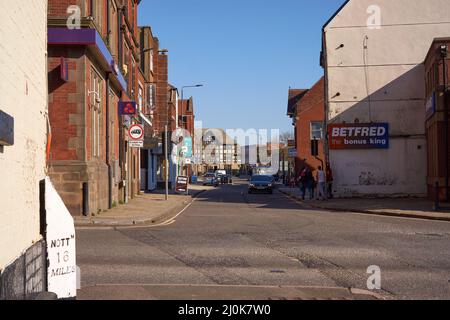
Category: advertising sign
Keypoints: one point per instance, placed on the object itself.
(64, 69)
(292, 152)
(182, 184)
(359, 136)
(187, 147)
(127, 108)
(62, 268)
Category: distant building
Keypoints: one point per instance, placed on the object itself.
(219, 151)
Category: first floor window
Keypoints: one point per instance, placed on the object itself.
(316, 130)
(95, 106)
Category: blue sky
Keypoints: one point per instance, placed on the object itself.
(246, 53)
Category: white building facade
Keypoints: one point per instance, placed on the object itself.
(23, 108)
(373, 54)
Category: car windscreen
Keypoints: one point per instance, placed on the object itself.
(261, 178)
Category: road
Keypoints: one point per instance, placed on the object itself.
(229, 244)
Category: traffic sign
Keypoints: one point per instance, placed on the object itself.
(136, 144)
(136, 132)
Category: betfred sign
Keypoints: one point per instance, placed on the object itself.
(359, 136)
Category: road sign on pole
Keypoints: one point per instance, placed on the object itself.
(136, 132)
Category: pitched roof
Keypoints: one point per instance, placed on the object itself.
(312, 98)
(295, 95)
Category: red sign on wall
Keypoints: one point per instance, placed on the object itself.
(64, 72)
(127, 108)
(359, 136)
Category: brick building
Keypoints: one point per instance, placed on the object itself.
(91, 69)
(162, 100)
(186, 120)
(307, 109)
(437, 96)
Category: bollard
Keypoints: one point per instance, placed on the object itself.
(85, 199)
(436, 200)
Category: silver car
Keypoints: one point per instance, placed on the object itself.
(211, 179)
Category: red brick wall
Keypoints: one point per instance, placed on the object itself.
(162, 92)
(58, 8)
(435, 125)
(311, 108)
(63, 106)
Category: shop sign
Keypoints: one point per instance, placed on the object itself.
(359, 136)
(127, 108)
(182, 184)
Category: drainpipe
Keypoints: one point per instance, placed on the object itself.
(444, 50)
(108, 147)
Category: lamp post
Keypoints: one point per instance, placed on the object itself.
(182, 100)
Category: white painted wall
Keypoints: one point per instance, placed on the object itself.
(23, 87)
(393, 64)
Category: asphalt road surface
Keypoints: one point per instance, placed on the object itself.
(229, 244)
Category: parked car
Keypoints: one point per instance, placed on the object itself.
(211, 179)
(261, 183)
(224, 176)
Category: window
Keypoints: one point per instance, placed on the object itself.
(316, 130)
(98, 15)
(113, 35)
(133, 77)
(112, 126)
(151, 60)
(151, 96)
(95, 98)
(140, 97)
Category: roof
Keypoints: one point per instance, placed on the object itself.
(313, 98)
(295, 95)
(335, 14)
(322, 52)
(220, 135)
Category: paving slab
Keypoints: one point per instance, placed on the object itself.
(147, 208)
(419, 208)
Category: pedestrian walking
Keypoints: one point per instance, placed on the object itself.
(330, 180)
(321, 184)
(302, 182)
(309, 181)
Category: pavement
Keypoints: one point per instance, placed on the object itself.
(418, 208)
(214, 292)
(144, 209)
(231, 245)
